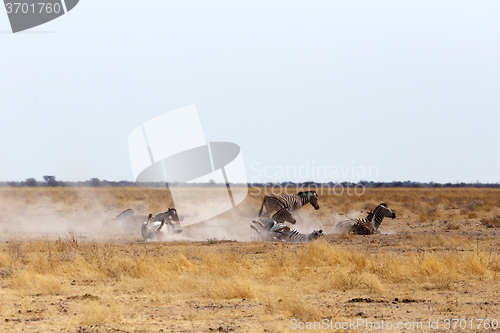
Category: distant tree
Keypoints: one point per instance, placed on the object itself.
(50, 180)
(95, 182)
(31, 182)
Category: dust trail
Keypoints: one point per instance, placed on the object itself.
(55, 213)
(44, 216)
(326, 221)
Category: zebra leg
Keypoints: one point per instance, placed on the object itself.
(257, 221)
(255, 228)
(161, 225)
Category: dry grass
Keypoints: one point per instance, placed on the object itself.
(492, 222)
(426, 267)
(94, 312)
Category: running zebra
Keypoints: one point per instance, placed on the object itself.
(370, 224)
(292, 202)
(287, 234)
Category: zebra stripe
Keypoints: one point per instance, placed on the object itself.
(370, 224)
(283, 215)
(291, 202)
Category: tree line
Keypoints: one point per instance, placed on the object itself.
(51, 181)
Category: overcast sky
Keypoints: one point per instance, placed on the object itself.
(394, 90)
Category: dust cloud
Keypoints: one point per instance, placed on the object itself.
(86, 216)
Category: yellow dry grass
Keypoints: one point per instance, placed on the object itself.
(423, 269)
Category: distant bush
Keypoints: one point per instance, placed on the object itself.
(50, 180)
(31, 182)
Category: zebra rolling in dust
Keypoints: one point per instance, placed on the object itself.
(368, 225)
(154, 230)
(273, 230)
(129, 221)
(291, 202)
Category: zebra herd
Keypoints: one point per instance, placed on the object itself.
(270, 226)
(282, 207)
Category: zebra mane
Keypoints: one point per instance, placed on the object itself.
(307, 193)
(379, 209)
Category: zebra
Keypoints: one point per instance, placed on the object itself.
(287, 234)
(281, 232)
(129, 220)
(292, 202)
(370, 224)
(152, 230)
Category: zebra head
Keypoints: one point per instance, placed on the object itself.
(316, 234)
(284, 215)
(385, 211)
(310, 197)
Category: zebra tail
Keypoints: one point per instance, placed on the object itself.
(262, 207)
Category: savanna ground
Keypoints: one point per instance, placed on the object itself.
(60, 270)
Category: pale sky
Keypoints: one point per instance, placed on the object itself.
(409, 90)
